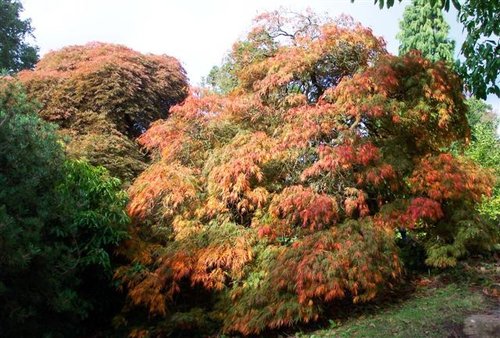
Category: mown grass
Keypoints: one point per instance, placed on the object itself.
(430, 312)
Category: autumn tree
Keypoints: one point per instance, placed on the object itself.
(267, 205)
(60, 222)
(103, 96)
(424, 28)
(15, 52)
(481, 46)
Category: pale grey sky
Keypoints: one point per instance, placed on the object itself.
(197, 32)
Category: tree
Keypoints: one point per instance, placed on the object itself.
(483, 149)
(60, 222)
(103, 96)
(221, 79)
(265, 206)
(15, 52)
(423, 28)
(481, 46)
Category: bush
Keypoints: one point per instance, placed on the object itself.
(60, 221)
(103, 96)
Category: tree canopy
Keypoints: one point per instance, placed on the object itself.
(103, 96)
(481, 46)
(281, 196)
(424, 28)
(15, 52)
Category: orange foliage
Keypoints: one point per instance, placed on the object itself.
(325, 266)
(432, 113)
(444, 177)
(302, 206)
(283, 195)
(344, 157)
(170, 186)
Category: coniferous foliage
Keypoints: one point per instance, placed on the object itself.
(60, 221)
(103, 96)
(281, 196)
(424, 28)
(15, 52)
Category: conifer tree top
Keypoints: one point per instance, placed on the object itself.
(424, 28)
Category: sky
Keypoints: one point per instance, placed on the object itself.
(197, 32)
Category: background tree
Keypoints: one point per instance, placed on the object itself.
(262, 43)
(103, 96)
(481, 46)
(424, 28)
(60, 221)
(15, 52)
(221, 79)
(483, 149)
(265, 206)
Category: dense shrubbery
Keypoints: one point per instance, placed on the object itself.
(484, 149)
(280, 196)
(103, 96)
(60, 221)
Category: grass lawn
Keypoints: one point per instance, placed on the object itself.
(429, 312)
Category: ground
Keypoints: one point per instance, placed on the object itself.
(460, 302)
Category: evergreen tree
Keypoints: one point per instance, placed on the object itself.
(423, 28)
(15, 52)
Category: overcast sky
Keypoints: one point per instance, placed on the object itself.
(198, 33)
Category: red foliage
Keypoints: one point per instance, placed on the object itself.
(432, 114)
(344, 158)
(103, 96)
(444, 177)
(304, 207)
(423, 208)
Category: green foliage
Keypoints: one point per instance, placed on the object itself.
(93, 203)
(221, 79)
(15, 52)
(484, 149)
(59, 223)
(481, 46)
(424, 28)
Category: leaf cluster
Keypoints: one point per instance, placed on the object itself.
(481, 47)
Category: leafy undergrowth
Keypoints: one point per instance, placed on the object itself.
(437, 308)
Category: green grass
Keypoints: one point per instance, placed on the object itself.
(430, 312)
